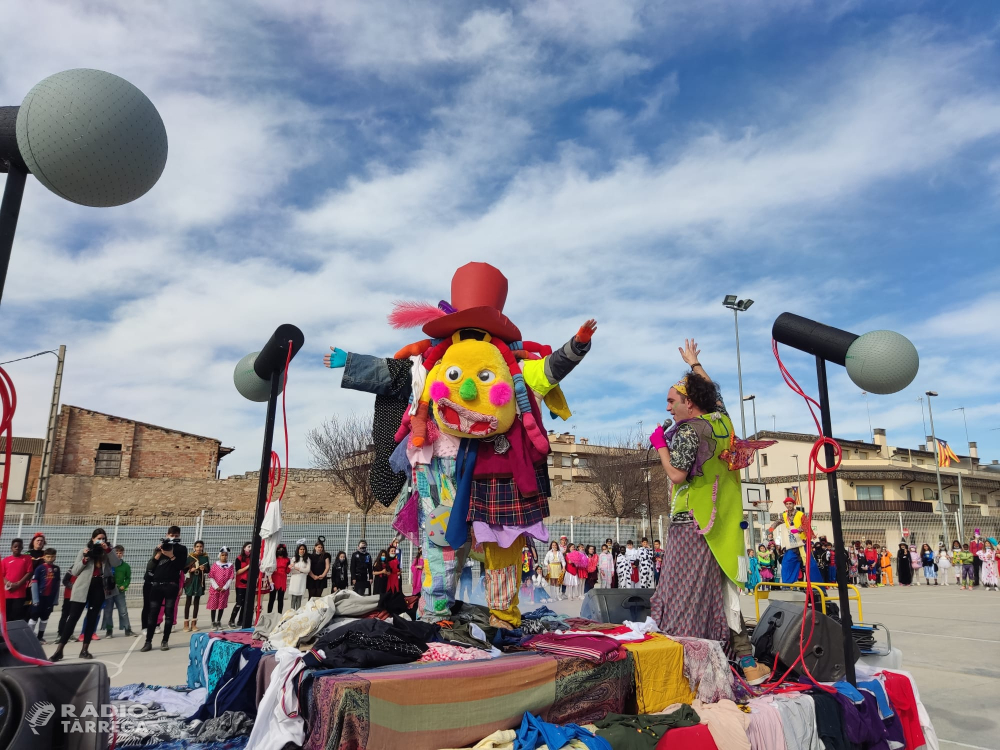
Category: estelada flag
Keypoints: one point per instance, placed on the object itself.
(946, 455)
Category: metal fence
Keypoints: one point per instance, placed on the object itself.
(140, 534)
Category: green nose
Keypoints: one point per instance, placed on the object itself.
(468, 391)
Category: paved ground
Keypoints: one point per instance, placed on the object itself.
(950, 641)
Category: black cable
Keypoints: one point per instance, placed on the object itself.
(30, 356)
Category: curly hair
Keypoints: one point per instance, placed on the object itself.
(702, 392)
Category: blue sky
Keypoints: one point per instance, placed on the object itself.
(629, 161)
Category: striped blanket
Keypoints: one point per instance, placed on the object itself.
(456, 704)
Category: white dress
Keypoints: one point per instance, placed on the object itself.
(297, 576)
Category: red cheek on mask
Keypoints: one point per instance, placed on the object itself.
(439, 390)
(500, 394)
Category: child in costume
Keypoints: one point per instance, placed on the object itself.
(764, 563)
(753, 577)
(605, 567)
(44, 592)
(555, 566)
(944, 564)
(220, 579)
(988, 574)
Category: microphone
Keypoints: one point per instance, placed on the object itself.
(879, 362)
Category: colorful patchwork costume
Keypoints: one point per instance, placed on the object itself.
(469, 452)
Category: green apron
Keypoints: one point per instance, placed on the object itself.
(725, 538)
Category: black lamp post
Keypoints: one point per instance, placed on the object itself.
(878, 362)
(258, 377)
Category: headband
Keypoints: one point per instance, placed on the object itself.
(224, 549)
(681, 386)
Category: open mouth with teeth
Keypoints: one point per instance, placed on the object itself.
(465, 420)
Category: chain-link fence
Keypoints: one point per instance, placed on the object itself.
(341, 531)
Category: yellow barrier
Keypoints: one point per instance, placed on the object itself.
(761, 590)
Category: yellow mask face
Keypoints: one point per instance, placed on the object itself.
(472, 390)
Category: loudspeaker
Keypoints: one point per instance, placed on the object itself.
(778, 617)
(24, 640)
(616, 605)
(824, 656)
(40, 697)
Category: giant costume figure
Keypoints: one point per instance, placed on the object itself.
(459, 443)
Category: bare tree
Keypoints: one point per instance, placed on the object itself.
(626, 479)
(344, 446)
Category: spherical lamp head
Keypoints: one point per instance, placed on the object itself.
(91, 137)
(251, 385)
(882, 362)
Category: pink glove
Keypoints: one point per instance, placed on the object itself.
(657, 440)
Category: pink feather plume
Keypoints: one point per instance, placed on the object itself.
(413, 314)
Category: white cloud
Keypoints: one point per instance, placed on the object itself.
(274, 210)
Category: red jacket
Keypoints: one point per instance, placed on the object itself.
(279, 578)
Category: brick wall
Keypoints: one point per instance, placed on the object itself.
(147, 451)
(69, 494)
(309, 491)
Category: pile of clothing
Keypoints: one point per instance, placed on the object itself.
(150, 716)
(883, 712)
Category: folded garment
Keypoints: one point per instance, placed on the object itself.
(450, 652)
(305, 623)
(593, 648)
(538, 614)
(643, 732)
(533, 733)
(172, 700)
(225, 727)
(267, 622)
(366, 644)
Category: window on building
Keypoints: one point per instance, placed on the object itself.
(108, 462)
(872, 492)
(930, 494)
(920, 462)
(763, 459)
(567, 462)
(954, 497)
(582, 463)
(548, 460)
(975, 497)
(909, 493)
(863, 455)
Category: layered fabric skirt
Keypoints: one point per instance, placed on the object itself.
(688, 600)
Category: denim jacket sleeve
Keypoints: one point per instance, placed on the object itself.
(369, 374)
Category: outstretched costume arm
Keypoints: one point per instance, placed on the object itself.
(542, 375)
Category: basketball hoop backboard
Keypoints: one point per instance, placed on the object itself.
(754, 496)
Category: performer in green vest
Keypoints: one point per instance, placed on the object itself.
(698, 591)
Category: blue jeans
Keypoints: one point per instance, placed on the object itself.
(118, 600)
(369, 374)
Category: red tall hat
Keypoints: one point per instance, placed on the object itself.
(478, 294)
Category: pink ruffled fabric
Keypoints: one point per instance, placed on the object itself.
(450, 652)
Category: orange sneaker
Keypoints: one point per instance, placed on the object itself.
(756, 674)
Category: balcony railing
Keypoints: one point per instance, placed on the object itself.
(905, 506)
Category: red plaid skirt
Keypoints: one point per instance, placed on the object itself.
(498, 501)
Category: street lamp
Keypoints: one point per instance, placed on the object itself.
(937, 464)
(738, 306)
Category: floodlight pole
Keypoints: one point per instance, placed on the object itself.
(263, 482)
(10, 208)
(846, 622)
